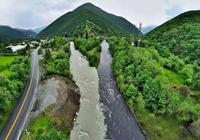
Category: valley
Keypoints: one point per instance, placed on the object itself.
(92, 75)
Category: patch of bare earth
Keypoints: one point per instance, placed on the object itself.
(63, 111)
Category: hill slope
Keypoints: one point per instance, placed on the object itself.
(28, 33)
(109, 23)
(180, 35)
(7, 33)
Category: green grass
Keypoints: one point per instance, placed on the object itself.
(170, 77)
(5, 72)
(161, 127)
(41, 123)
(46, 128)
(5, 62)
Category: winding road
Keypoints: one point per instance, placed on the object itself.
(120, 121)
(18, 118)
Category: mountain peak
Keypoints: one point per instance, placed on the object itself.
(87, 4)
(109, 23)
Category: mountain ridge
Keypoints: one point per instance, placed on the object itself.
(8, 33)
(109, 23)
(179, 35)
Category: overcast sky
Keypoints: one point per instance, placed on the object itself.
(37, 13)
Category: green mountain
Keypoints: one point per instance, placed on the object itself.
(28, 33)
(181, 36)
(7, 33)
(109, 23)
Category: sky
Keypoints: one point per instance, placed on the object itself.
(37, 13)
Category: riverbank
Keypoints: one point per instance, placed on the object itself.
(120, 121)
(57, 102)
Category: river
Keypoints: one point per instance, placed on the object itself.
(120, 121)
(89, 124)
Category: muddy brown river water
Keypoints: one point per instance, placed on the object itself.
(103, 112)
(89, 124)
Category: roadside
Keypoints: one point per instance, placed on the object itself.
(57, 98)
(56, 105)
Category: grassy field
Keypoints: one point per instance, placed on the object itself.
(160, 127)
(41, 123)
(5, 62)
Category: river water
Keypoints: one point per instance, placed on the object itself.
(89, 124)
(120, 121)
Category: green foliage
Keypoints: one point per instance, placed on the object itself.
(87, 30)
(140, 103)
(56, 57)
(174, 63)
(104, 23)
(187, 73)
(156, 86)
(7, 34)
(12, 84)
(51, 134)
(90, 48)
(179, 35)
(43, 128)
(155, 96)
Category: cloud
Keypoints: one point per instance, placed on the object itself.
(33, 13)
(176, 7)
(136, 11)
(37, 13)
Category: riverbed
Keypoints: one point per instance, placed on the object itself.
(119, 119)
(89, 124)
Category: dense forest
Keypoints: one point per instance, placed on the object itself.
(179, 36)
(14, 71)
(157, 87)
(91, 48)
(109, 24)
(56, 55)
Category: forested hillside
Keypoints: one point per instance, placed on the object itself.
(180, 36)
(109, 24)
(8, 34)
(157, 87)
(28, 33)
